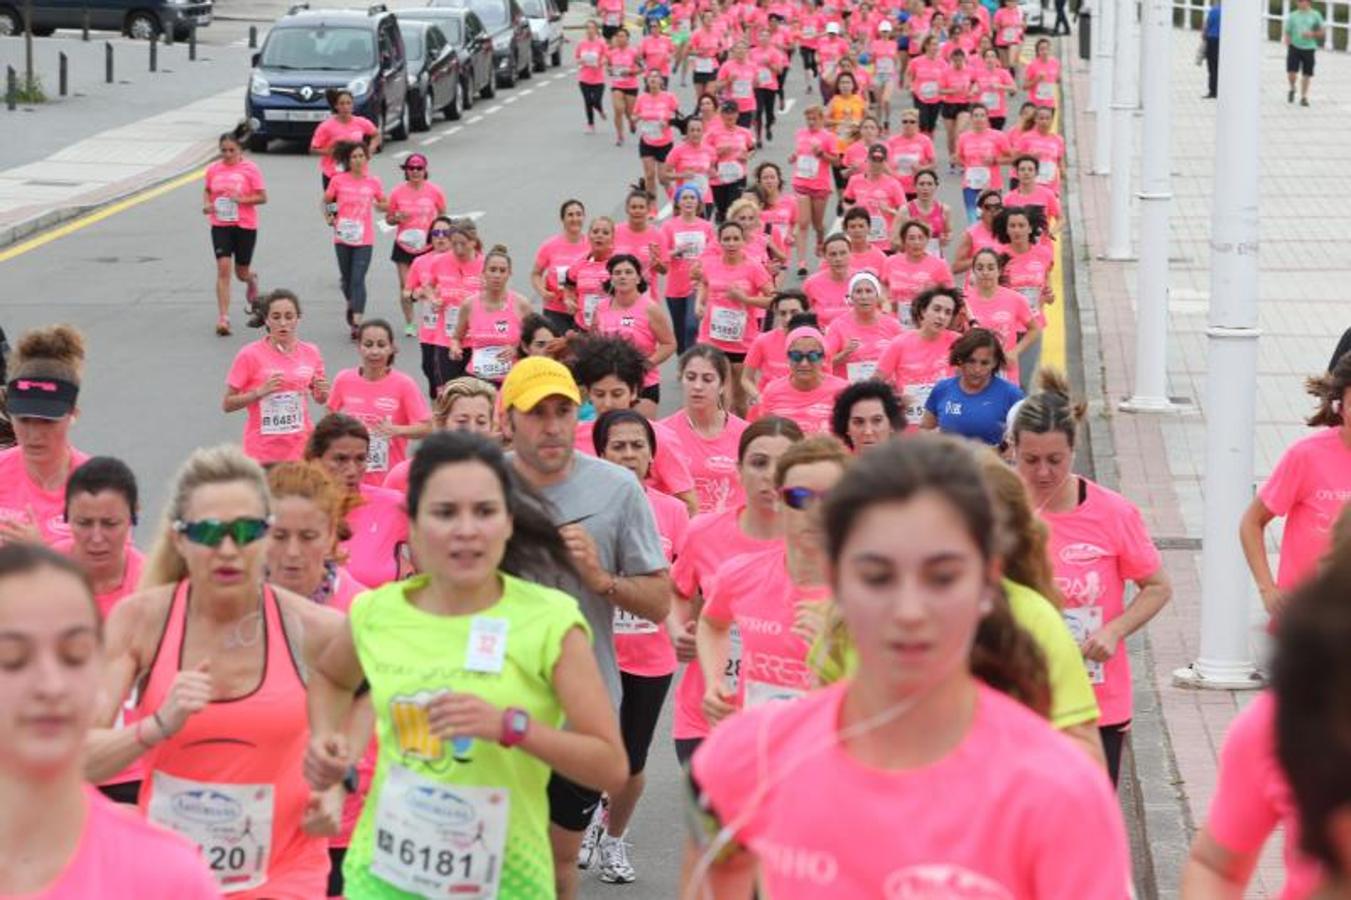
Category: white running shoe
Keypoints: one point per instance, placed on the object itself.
(615, 867)
(591, 839)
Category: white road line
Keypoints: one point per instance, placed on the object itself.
(512, 99)
(450, 131)
(560, 75)
(430, 140)
(475, 119)
(402, 153)
(542, 85)
(492, 109)
(527, 92)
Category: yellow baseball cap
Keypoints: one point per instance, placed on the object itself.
(534, 378)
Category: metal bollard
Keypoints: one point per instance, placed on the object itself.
(85, 32)
(107, 62)
(169, 36)
(192, 42)
(11, 88)
(154, 52)
(253, 37)
(63, 76)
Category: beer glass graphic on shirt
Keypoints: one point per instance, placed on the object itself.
(413, 730)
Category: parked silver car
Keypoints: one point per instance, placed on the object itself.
(546, 32)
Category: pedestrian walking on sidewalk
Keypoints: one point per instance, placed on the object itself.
(1210, 47)
(1303, 31)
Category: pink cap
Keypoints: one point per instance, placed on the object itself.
(805, 331)
(415, 159)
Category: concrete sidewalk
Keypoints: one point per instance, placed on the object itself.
(1158, 461)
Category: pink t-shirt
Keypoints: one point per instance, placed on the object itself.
(279, 424)
(121, 854)
(728, 324)
(611, 12)
(914, 365)
(753, 592)
(828, 296)
(331, 131)
(909, 155)
(811, 172)
(455, 282)
(809, 409)
(956, 83)
(731, 149)
(873, 339)
(881, 197)
(768, 356)
(781, 217)
(987, 88)
(1049, 149)
(491, 336)
(711, 463)
(768, 62)
(641, 244)
(657, 51)
(654, 112)
(668, 474)
(979, 153)
(905, 279)
(712, 539)
(133, 563)
(1008, 26)
(1028, 273)
(397, 479)
(1309, 486)
(379, 533)
(419, 206)
(986, 822)
(1252, 797)
(632, 324)
(1095, 549)
(225, 183)
(741, 83)
(355, 197)
(20, 496)
(1040, 195)
(682, 243)
(1007, 315)
(395, 397)
(554, 258)
(590, 56)
(623, 66)
(693, 164)
(926, 79)
(1041, 77)
(642, 647)
(869, 260)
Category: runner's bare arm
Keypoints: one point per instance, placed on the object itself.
(1215, 873)
(1086, 737)
(333, 681)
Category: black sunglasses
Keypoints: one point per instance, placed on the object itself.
(440, 232)
(811, 356)
(213, 532)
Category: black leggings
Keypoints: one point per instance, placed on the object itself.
(684, 750)
(352, 265)
(724, 195)
(809, 62)
(439, 367)
(638, 714)
(592, 95)
(1113, 741)
(764, 108)
(928, 115)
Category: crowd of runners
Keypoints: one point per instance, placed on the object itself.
(778, 442)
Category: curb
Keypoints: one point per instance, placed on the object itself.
(1159, 821)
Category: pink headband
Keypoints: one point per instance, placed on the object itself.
(805, 331)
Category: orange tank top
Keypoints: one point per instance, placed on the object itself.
(231, 779)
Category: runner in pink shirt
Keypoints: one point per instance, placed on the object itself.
(653, 110)
(917, 360)
(991, 86)
(412, 207)
(684, 238)
(729, 289)
(1030, 193)
(736, 82)
(630, 312)
(828, 289)
(1009, 29)
(705, 433)
(590, 56)
(640, 237)
(854, 157)
(923, 78)
(955, 88)
(814, 152)
(489, 328)
(771, 65)
(657, 52)
(441, 281)
(779, 211)
(979, 235)
(691, 162)
(231, 194)
(1027, 269)
(1252, 798)
(1309, 487)
(553, 261)
(981, 152)
(1046, 146)
(705, 45)
(611, 13)
(383, 399)
(350, 202)
(878, 192)
(763, 594)
(63, 840)
(1042, 76)
(585, 283)
(913, 270)
(886, 68)
(1098, 543)
(915, 736)
(622, 65)
(341, 128)
(377, 550)
(750, 525)
(41, 403)
(910, 151)
(760, 245)
(643, 649)
(855, 341)
(806, 394)
(768, 356)
(732, 145)
(1002, 310)
(927, 208)
(272, 379)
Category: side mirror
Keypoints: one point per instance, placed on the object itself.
(255, 58)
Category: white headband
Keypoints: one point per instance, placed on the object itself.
(865, 276)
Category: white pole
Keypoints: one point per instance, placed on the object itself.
(1156, 197)
(1225, 659)
(1102, 85)
(1095, 42)
(1125, 100)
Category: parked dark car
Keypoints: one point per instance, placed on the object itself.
(307, 52)
(472, 45)
(510, 33)
(546, 31)
(433, 74)
(136, 18)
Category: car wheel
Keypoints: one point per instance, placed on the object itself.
(489, 90)
(422, 110)
(10, 23)
(467, 93)
(529, 61)
(43, 32)
(557, 58)
(257, 144)
(508, 79)
(142, 26)
(400, 132)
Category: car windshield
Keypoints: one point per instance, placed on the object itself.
(533, 8)
(412, 42)
(453, 30)
(493, 13)
(326, 49)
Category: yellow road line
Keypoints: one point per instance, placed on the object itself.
(99, 215)
(1053, 340)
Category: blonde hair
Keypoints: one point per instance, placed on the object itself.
(1025, 552)
(743, 203)
(223, 464)
(459, 389)
(816, 449)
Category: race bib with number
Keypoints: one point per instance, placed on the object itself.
(377, 453)
(429, 315)
(689, 244)
(977, 177)
(934, 247)
(885, 65)
(700, 181)
(877, 228)
(918, 395)
(704, 64)
(413, 239)
(590, 58)
(491, 362)
(731, 676)
(452, 319)
(807, 167)
(1046, 171)
(928, 90)
(758, 693)
(1083, 621)
(1045, 90)
(227, 210)
(907, 164)
(764, 77)
(809, 31)
(730, 170)
(650, 129)
(627, 623)
(232, 823)
(1009, 35)
(990, 99)
(589, 304)
(561, 274)
(860, 371)
(350, 231)
(439, 840)
(612, 19)
(741, 87)
(727, 324)
(1033, 297)
(282, 413)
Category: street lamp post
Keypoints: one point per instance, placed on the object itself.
(1225, 659)
(1125, 100)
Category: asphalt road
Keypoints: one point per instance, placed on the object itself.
(139, 284)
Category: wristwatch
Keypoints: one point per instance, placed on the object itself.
(351, 780)
(514, 724)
